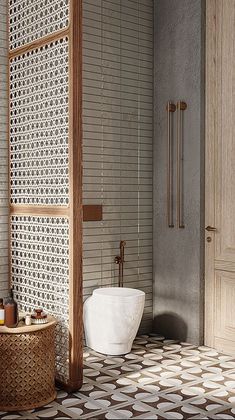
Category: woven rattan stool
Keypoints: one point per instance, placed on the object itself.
(27, 366)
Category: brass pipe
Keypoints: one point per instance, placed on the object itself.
(120, 261)
(170, 109)
(181, 106)
(122, 246)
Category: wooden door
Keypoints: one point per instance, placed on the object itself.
(220, 176)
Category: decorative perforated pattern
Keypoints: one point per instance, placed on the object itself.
(39, 126)
(40, 274)
(32, 19)
(21, 356)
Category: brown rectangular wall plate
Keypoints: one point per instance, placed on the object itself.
(92, 213)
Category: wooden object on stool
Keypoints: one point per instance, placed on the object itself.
(27, 366)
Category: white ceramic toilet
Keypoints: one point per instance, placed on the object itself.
(112, 317)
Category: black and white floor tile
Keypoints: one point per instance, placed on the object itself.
(159, 379)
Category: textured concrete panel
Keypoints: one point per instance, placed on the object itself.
(178, 253)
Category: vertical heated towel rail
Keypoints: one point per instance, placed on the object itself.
(181, 106)
(171, 108)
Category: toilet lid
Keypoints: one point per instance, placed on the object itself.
(123, 292)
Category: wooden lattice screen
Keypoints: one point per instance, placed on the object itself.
(45, 169)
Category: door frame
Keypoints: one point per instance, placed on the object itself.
(211, 133)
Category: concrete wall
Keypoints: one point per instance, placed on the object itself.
(3, 150)
(178, 253)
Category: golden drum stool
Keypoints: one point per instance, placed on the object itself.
(27, 366)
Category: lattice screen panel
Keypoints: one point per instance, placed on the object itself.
(32, 19)
(40, 273)
(39, 125)
(45, 169)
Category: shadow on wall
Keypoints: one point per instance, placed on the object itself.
(170, 326)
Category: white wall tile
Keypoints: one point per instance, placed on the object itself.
(117, 142)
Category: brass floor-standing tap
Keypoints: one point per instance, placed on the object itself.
(120, 261)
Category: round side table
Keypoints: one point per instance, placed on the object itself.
(27, 366)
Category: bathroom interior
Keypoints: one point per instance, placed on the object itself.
(117, 244)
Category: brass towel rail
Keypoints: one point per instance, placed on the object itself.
(181, 107)
(170, 110)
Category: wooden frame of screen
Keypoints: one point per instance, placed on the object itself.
(73, 212)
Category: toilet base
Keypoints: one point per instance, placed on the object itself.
(112, 349)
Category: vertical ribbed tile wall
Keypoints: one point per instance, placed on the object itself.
(3, 149)
(117, 142)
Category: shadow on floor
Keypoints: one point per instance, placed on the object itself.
(171, 325)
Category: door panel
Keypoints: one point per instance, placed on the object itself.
(225, 147)
(224, 303)
(220, 175)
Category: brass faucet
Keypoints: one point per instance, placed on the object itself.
(120, 261)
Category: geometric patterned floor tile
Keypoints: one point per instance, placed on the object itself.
(159, 379)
